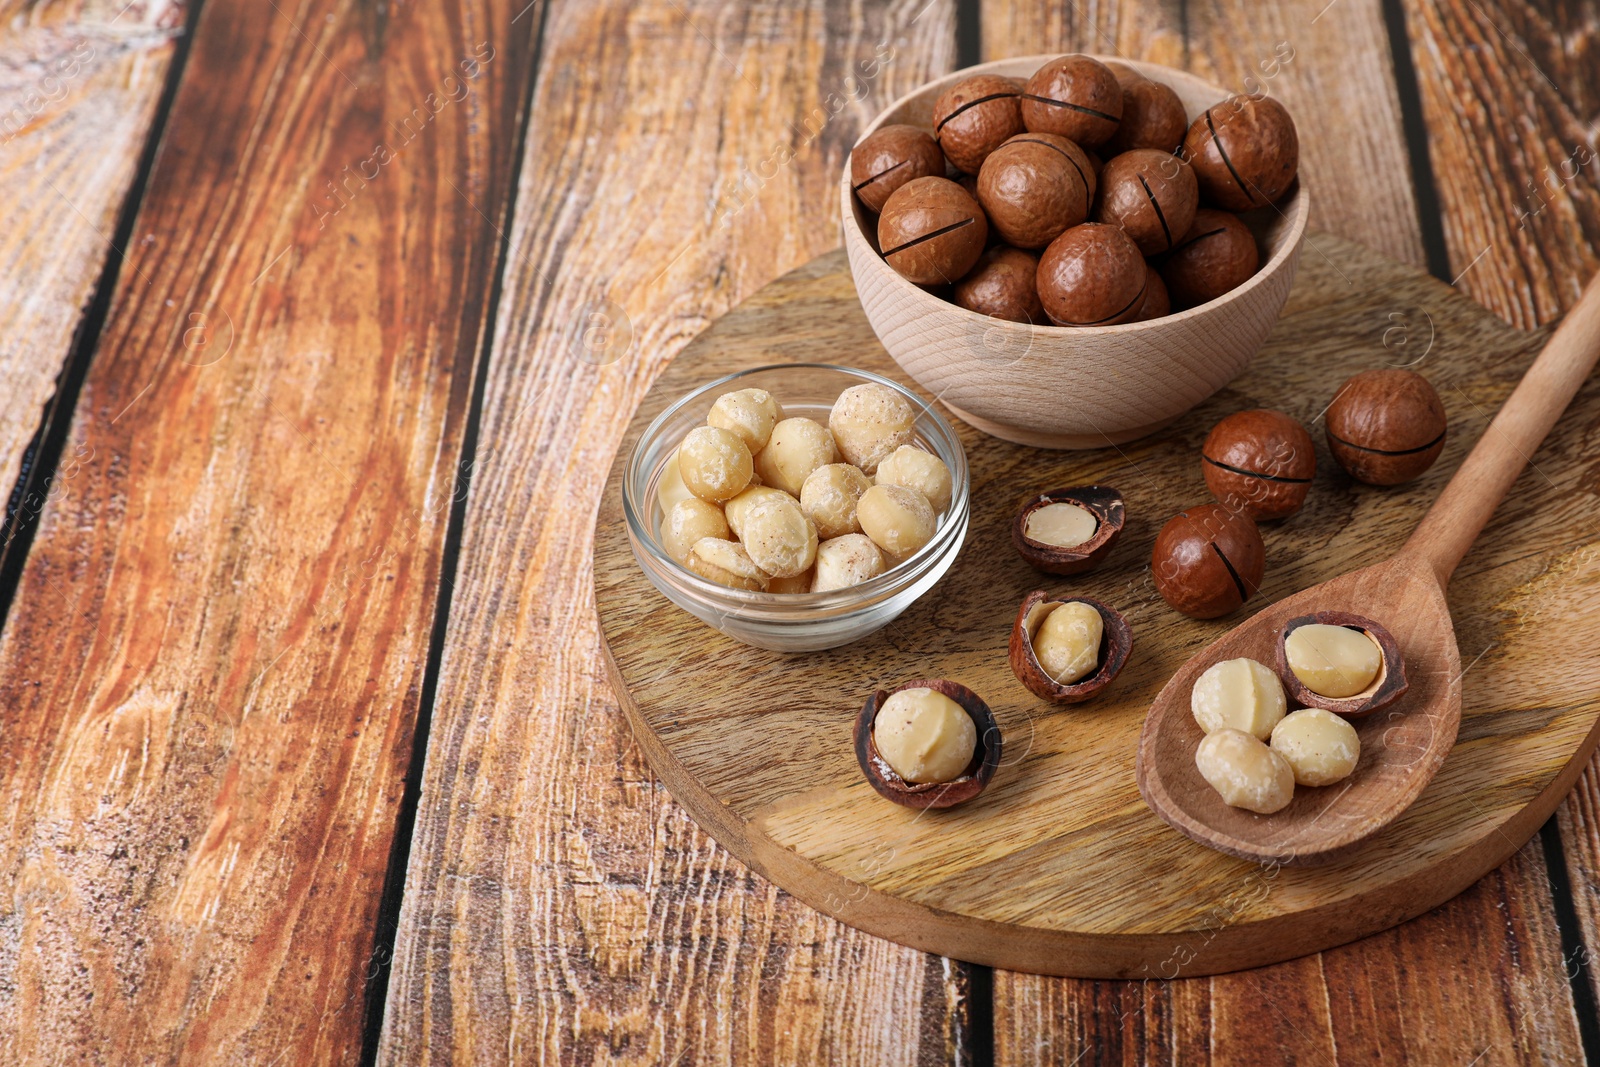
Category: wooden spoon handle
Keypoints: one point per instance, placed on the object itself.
(1463, 509)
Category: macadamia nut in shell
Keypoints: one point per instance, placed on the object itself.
(888, 158)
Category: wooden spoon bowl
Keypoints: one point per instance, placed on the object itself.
(1404, 744)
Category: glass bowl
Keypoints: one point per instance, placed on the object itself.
(790, 622)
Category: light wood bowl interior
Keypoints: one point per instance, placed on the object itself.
(1071, 387)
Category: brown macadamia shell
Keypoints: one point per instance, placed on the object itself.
(1151, 194)
(888, 158)
(1075, 96)
(974, 117)
(1092, 275)
(1152, 114)
(1156, 304)
(1386, 426)
(1035, 186)
(1260, 461)
(1002, 286)
(931, 231)
(1218, 254)
(1244, 151)
(1208, 560)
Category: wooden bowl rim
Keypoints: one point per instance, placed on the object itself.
(1295, 207)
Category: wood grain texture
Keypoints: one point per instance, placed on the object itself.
(79, 83)
(1508, 94)
(1058, 867)
(1088, 386)
(1521, 207)
(559, 908)
(1328, 63)
(1414, 994)
(212, 668)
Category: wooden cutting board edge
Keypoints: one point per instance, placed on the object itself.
(1122, 956)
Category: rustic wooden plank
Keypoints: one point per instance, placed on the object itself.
(212, 667)
(559, 907)
(1340, 84)
(79, 85)
(1508, 93)
(1416, 994)
(1521, 206)
(1329, 63)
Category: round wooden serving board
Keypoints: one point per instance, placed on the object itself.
(1059, 867)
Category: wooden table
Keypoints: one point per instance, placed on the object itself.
(322, 321)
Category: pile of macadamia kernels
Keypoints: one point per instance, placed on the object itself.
(1007, 202)
(757, 501)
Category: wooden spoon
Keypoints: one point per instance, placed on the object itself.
(1403, 745)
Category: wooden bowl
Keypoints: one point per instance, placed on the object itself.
(1071, 387)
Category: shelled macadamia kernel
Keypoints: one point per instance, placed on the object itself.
(829, 497)
(1061, 525)
(1067, 643)
(1333, 661)
(797, 447)
(740, 506)
(779, 537)
(750, 413)
(869, 421)
(845, 561)
(671, 489)
(899, 520)
(760, 501)
(1322, 748)
(911, 467)
(689, 520)
(726, 563)
(715, 463)
(924, 736)
(1246, 773)
(1238, 694)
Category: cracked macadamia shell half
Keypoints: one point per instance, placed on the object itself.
(1336, 656)
(1046, 528)
(1048, 637)
(929, 697)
